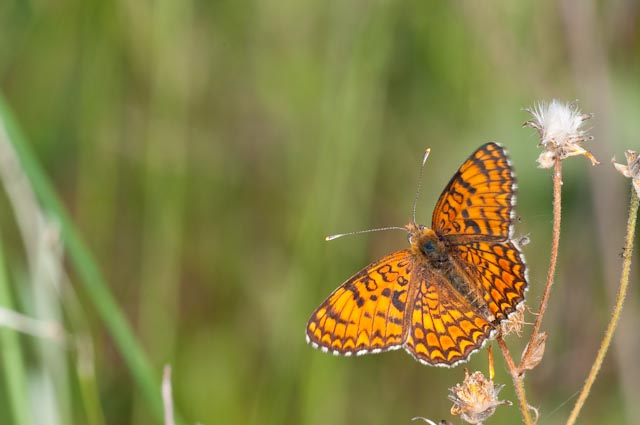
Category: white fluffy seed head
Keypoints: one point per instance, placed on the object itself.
(559, 126)
(558, 122)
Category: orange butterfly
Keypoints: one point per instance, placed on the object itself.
(445, 297)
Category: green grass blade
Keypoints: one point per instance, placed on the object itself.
(12, 356)
(87, 269)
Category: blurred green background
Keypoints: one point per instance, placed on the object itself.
(204, 150)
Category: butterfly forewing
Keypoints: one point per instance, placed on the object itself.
(478, 201)
(366, 313)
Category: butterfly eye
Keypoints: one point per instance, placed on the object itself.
(428, 246)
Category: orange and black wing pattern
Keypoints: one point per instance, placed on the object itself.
(445, 328)
(446, 296)
(478, 201)
(366, 314)
(501, 271)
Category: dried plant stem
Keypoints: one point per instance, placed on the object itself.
(555, 243)
(516, 372)
(167, 397)
(38, 328)
(517, 381)
(615, 316)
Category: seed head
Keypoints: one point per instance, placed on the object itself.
(476, 399)
(559, 126)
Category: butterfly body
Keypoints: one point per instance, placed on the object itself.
(446, 295)
(437, 256)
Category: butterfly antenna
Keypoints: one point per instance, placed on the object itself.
(339, 235)
(415, 201)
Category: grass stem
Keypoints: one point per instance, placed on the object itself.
(89, 273)
(615, 316)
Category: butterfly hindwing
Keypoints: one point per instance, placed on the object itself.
(445, 327)
(367, 312)
(500, 269)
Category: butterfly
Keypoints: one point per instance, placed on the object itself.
(446, 296)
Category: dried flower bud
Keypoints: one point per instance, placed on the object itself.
(632, 169)
(533, 352)
(514, 323)
(559, 128)
(546, 159)
(476, 399)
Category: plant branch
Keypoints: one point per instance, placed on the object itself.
(517, 381)
(555, 243)
(615, 316)
(534, 341)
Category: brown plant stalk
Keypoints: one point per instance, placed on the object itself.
(517, 371)
(555, 243)
(559, 127)
(518, 383)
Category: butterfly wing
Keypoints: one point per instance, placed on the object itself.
(501, 270)
(366, 314)
(445, 328)
(478, 201)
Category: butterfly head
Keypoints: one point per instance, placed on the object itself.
(414, 231)
(426, 244)
(419, 234)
